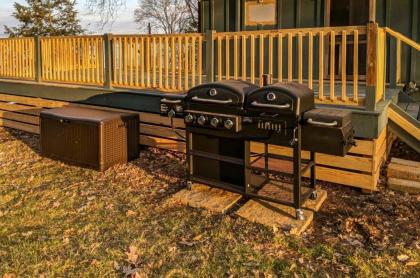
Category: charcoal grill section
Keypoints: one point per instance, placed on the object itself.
(328, 131)
(275, 116)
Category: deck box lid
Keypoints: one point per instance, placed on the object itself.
(85, 114)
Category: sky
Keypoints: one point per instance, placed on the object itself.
(124, 23)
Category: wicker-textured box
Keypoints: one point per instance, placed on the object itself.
(90, 138)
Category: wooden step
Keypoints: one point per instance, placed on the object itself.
(406, 170)
(408, 186)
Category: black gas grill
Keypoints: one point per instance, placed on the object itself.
(215, 143)
(222, 119)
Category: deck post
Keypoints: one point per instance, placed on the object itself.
(108, 61)
(371, 72)
(37, 41)
(210, 34)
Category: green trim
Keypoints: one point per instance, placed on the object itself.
(238, 16)
(38, 59)
(210, 34)
(108, 61)
(414, 30)
(279, 5)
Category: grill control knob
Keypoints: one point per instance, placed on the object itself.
(229, 124)
(202, 120)
(215, 122)
(171, 113)
(189, 118)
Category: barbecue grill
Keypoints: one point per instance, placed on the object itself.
(215, 143)
(222, 119)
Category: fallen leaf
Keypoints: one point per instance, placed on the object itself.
(132, 255)
(130, 213)
(187, 243)
(402, 258)
(411, 263)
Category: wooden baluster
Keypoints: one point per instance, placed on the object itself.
(280, 58)
(125, 48)
(332, 66)
(166, 63)
(160, 63)
(173, 63)
(136, 60)
(252, 53)
(142, 67)
(120, 61)
(356, 66)
(344, 66)
(131, 59)
(310, 59)
(219, 58)
(261, 58)
(200, 60)
(290, 57)
(227, 57)
(244, 58)
(154, 62)
(398, 62)
(235, 57)
(180, 63)
(321, 67)
(300, 58)
(147, 54)
(270, 55)
(186, 72)
(193, 62)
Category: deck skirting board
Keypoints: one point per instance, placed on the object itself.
(359, 169)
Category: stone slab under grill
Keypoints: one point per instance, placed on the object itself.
(278, 216)
(202, 196)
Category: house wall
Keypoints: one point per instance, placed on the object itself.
(400, 15)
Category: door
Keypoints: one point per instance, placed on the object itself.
(347, 13)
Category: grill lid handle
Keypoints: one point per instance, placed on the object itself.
(332, 124)
(211, 100)
(165, 100)
(276, 106)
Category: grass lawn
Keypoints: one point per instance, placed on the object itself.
(60, 220)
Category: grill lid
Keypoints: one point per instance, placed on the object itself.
(281, 98)
(228, 92)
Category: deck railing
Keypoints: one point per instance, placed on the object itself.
(397, 41)
(78, 60)
(317, 57)
(344, 65)
(17, 58)
(164, 62)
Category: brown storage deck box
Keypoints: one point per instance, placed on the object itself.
(90, 138)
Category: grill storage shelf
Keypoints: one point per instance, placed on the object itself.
(88, 137)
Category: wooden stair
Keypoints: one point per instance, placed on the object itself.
(404, 175)
(404, 126)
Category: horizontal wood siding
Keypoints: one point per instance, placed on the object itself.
(361, 168)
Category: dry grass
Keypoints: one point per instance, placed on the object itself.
(60, 220)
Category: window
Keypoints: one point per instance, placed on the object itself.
(260, 12)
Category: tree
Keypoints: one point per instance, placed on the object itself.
(45, 18)
(192, 6)
(106, 9)
(167, 16)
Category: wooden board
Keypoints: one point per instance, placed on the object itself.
(402, 185)
(211, 199)
(278, 216)
(404, 172)
(20, 126)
